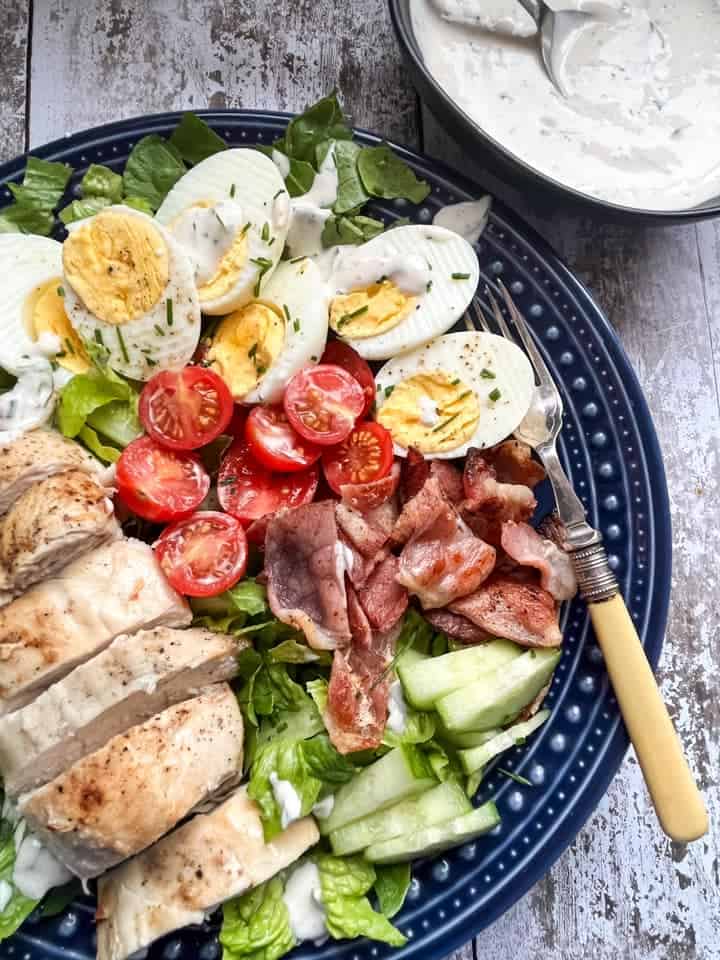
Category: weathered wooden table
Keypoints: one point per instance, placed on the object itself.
(622, 892)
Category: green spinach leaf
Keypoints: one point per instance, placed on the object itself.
(385, 174)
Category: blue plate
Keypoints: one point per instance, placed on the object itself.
(610, 451)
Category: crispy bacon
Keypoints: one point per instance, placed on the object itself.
(383, 599)
(488, 502)
(443, 560)
(357, 705)
(357, 567)
(522, 612)
(367, 496)
(528, 548)
(513, 462)
(366, 538)
(305, 582)
(416, 470)
(418, 512)
(457, 627)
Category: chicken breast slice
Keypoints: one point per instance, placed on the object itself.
(58, 624)
(133, 679)
(190, 872)
(55, 521)
(125, 796)
(35, 456)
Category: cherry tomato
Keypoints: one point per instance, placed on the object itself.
(275, 444)
(185, 409)
(342, 355)
(249, 491)
(159, 484)
(204, 554)
(365, 455)
(322, 403)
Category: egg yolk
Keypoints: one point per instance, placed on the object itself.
(47, 315)
(217, 240)
(371, 311)
(433, 411)
(118, 264)
(246, 345)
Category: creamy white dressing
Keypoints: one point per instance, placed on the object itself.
(287, 798)
(281, 210)
(344, 559)
(429, 416)
(467, 218)
(323, 808)
(397, 709)
(36, 870)
(304, 237)
(206, 234)
(641, 123)
(303, 899)
(324, 189)
(31, 401)
(409, 272)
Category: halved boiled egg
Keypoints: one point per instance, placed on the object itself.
(401, 289)
(230, 213)
(32, 303)
(259, 347)
(129, 287)
(459, 391)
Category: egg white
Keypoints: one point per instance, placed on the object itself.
(169, 346)
(444, 253)
(26, 263)
(251, 182)
(299, 287)
(466, 355)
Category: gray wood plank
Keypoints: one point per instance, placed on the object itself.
(622, 890)
(94, 62)
(15, 25)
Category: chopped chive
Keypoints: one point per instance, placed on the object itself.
(99, 337)
(381, 279)
(150, 362)
(265, 234)
(281, 190)
(296, 326)
(245, 229)
(462, 396)
(71, 348)
(455, 382)
(494, 395)
(286, 311)
(123, 348)
(271, 241)
(388, 390)
(487, 374)
(169, 312)
(264, 265)
(347, 317)
(61, 291)
(252, 351)
(260, 369)
(297, 259)
(441, 426)
(460, 276)
(428, 286)
(219, 219)
(516, 777)
(159, 330)
(232, 190)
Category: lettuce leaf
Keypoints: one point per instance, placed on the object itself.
(300, 178)
(152, 169)
(385, 174)
(344, 881)
(195, 140)
(89, 438)
(43, 185)
(300, 724)
(341, 230)
(419, 728)
(322, 121)
(256, 926)
(392, 883)
(80, 209)
(351, 193)
(18, 907)
(139, 203)
(101, 181)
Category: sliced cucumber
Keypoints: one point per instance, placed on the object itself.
(437, 805)
(426, 681)
(498, 697)
(477, 757)
(403, 772)
(471, 738)
(437, 838)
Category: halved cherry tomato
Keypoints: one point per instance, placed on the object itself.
(185, 409)
(275, 444)
(248, 491)
(204, 554)
(322, 403)
(160, 484)
(366, 455)
(342, 355)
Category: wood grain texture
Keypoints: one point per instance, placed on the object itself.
(621, 892)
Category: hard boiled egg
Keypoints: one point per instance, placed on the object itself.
(459, 391)
(230, 213)
(32, 303)
(257, 348)
(129, 287)
(401, 289)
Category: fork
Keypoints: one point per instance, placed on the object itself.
(677, 800)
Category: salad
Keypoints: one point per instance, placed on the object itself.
(270, 600)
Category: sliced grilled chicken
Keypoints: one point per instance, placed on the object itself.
(188, 873)
(133, 679)
(125, 796)
(118, 588)
(36, 455)
(48, 526)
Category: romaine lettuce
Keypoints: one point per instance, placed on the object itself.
(392, 883)
(18, 907)
(195, 140)
(101, 181)
(256, 926)
(344, 881)
(36, 198)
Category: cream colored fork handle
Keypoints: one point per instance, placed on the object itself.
(677, 800)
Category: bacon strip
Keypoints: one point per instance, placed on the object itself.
(383, 599)
(489, 502)
(522, 612)
(457, 627)
(513, 462)
(529, 549)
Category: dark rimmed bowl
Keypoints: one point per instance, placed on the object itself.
(547, 193)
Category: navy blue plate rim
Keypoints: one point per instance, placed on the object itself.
(505, 239)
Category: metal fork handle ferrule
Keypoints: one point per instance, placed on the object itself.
(596, 580)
